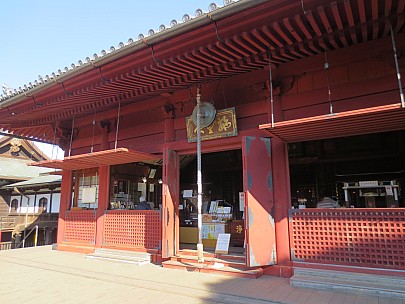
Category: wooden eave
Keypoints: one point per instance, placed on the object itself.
(356, 122)
(243, 44)
(97, 159)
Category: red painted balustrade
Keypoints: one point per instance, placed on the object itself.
(132, 228)
(80, 226)
(354, 237)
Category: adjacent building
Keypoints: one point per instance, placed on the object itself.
(29, 196)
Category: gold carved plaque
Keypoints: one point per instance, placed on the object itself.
(224, 125)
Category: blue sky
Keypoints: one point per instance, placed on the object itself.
(39, 37)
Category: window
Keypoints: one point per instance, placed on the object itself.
(14, 204)
(43, 203)
(86, 184)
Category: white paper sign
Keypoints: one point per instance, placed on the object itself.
(223, 243)
(241, 201)
(188, 193)
(89, 195)
(368, 184)
(142, 187)
(388, 190)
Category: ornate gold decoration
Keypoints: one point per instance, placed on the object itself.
(15, 145)
(224, 125)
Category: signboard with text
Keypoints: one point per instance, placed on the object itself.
(224, 125)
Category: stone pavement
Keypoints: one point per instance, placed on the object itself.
(43, 275)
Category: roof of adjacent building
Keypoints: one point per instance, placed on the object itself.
(37, 181)
(18, 169)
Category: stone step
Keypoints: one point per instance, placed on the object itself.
(352, 276)
(218, 268)
(228, 257)
(368, 284)
(121, 256)
(209, 260)
(127, 253)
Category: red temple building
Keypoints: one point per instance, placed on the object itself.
(307, 101)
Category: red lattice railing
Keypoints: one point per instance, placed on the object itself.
(132, 228)
(358, 237)
(80, 226)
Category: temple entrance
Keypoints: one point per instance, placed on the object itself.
(223, 203)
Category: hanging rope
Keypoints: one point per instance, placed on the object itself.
(71, 134)
(271, 91)
(54, 141)
(401, 94)
(326, 68)
(92, 137)
(118, 124)
(302, 6)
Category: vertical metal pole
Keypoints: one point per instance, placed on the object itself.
(401, 94)
(200, 247)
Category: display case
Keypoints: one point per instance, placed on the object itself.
(372, 194)
(125, 194)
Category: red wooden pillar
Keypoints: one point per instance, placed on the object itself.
(65, 201)
(282, 202)
(103, 200)
(0, 235)
(170, 176)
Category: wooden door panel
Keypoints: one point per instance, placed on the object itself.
(170, 199)
(259, 206)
